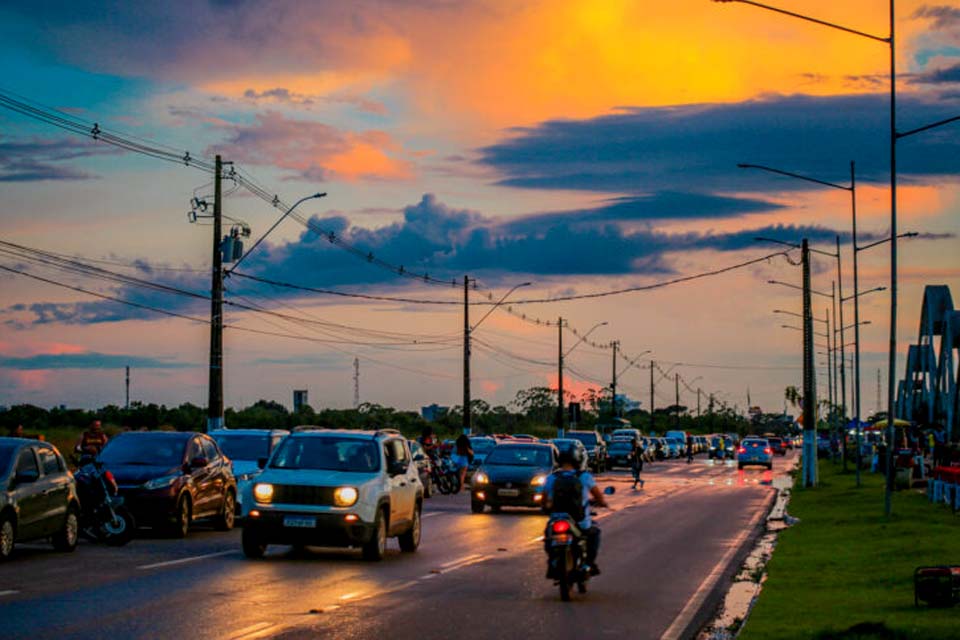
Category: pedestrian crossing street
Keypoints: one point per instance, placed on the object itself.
(678, 473)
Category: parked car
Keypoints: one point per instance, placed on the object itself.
(424, 466)
(481, 445)
(718, 448)
(755, 451)
(618, 453)
(702, 444)
(595, 446)
(777, 445)
(788, 442)
(674, 448)
(526, 437)
(336, 488)
(170, 479)
(244, 448)
(38, 498)
(625, 434)
(566, 444)
(680, 437)
(513, 475)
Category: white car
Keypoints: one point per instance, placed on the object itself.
(336, 488)
(245, 448)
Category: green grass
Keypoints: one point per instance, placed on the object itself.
(844, 564)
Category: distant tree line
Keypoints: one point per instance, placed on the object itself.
(533, 410)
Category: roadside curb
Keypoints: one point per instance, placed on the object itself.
(717, 591)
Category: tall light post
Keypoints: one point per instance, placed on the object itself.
(561, 356)
(467, 422)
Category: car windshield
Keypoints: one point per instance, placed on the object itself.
(716, 442)
(327, 453)
(482, 445)
(6, 454)
(588, 439)
(520, 456)
(620, 445)
(158, 449)
(244, 447)
(673, 441)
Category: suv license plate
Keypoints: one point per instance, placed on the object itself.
(508, 493)
(301, 523)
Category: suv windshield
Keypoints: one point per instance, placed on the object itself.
(588, 439)
(620, 445)
(327, 453)
(244, 447)
(482, 445)
(520, 456)
(157, 449)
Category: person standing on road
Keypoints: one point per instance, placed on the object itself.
(689, 449)
(462, 457)
(636, 463)
(92, 440)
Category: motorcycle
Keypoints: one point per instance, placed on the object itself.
(566, 547)
(103, 517)
(445, 476)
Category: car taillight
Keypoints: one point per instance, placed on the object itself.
(768, 451)
(561, 526)
(742, 450)
(109, 477)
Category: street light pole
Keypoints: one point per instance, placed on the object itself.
(856, 316)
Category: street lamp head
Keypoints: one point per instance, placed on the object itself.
(319, 195)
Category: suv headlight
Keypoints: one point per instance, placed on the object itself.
(160, 483)
(480, 478)
(345, 496)
(538, 481)
(263, 492)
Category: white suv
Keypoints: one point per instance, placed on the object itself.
(328, 487)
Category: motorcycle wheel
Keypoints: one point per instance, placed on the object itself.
(119, 533)
(443, 485)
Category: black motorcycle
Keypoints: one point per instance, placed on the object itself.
(566, 547)
(103, 518)
(445, 476)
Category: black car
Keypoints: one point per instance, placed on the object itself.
(619, 453)
(169, 479)
(513, 475)
(38, 496)
(596, 448)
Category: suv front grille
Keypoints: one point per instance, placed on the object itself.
(298, 494)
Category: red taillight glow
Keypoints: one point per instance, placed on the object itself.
(561, 526)
(109, 477)
(742, 450)
(768, 451)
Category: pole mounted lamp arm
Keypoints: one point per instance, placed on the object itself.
(790, 174)
(824, 23)
(274, 226)
(584, 337)
(909, 234)
(494, 307)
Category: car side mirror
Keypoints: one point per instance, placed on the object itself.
(396, 467)
(261, 463)
(610, 491)
(198, 463)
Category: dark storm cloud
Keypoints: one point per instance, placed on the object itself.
(698, 146)
(939, 76)
(90, 360)
(36, 159)
(440, 240)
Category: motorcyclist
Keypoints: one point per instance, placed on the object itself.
(570, 464)
(429, 443)
(92, 440)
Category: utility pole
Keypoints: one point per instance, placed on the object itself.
(127, 405)
(652, 399)
(809, 381)
(831, 364)
(560, 377)
(613, 385)
(676, 391)
(466, 356)
(356, 383)
(878, 392)
(698, 403)
(215, 390)
(843, 366)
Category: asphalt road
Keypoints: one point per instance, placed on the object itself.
(475, 576)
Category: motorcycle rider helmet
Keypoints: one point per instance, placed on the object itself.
(572, 456)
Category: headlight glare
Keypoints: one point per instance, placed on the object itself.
(345, 496)
(160, 483)
(538, 481)
(263, 492)
(480, 478)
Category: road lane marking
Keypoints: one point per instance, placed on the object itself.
(8, 592)
(170, 563)
(680, 623)
(350, 596)
(431, 514)
(459, 560)
(254, 631)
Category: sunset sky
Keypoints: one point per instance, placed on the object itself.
(584, 146)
